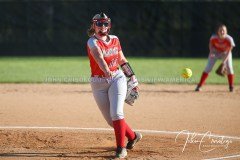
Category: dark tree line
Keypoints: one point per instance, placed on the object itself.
(145, 28)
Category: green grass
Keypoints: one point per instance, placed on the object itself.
(42, 69)
(76, 69)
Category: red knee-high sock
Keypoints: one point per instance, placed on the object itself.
(203, 79)
(129, 133)
(230, 80)
(120, 130)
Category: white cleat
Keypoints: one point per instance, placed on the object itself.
(121, 152)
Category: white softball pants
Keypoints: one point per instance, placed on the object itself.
(212, 58)
(109, 95)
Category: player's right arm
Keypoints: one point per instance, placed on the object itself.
(98, 57)
(212, 50)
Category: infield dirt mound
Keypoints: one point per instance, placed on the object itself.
(160, 107)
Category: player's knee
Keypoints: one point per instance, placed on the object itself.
(117, 117)
(230, 71)
(207, 70)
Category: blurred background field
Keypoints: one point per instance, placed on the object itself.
(44, 41)
(159, 28)
(77, 70)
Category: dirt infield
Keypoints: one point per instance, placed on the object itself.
(171, 118)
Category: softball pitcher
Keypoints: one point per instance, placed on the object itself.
(108, 82)
(220, 46)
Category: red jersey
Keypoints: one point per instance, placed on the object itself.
(222, 45)
(110, 51)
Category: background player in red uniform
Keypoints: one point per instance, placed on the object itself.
(220, 46)
(108, 82)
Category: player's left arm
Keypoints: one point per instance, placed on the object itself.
(122, 59)
(232, 44)
(132, 83)
(126, 67)
(227, 55)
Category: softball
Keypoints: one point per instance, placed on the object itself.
(186, 73)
